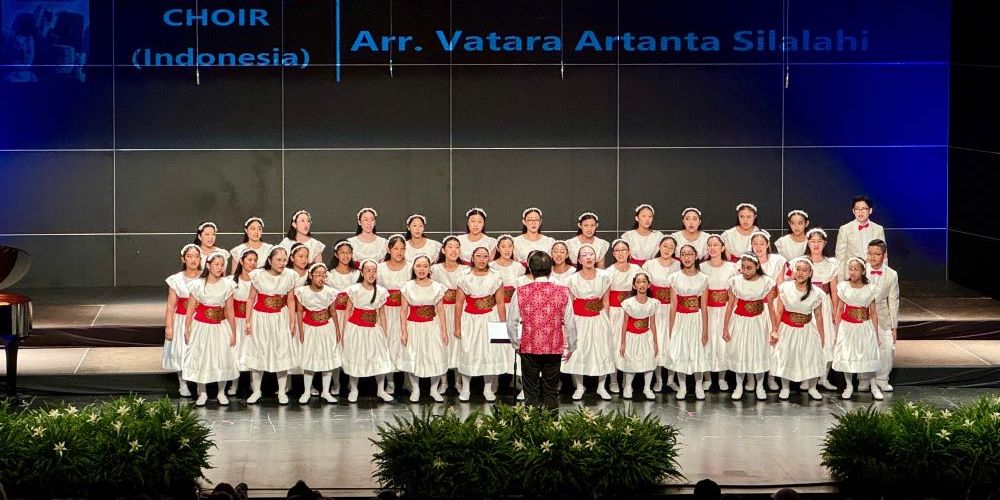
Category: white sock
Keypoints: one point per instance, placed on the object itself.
(327, 378)
(739, 379)
(414, 382)
(380, 383)
(256, 376)
(202, 389)
(435, 381)
(307, 380)
(601, 380)
(648, 379)
(628, 381)
(578, 381)
(354, 384)
(283, 382)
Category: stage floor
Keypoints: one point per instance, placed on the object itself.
(747, 445)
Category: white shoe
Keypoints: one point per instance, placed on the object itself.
(682, 392)
(783, 394)
(328, 398)
(282, 399)
(627, 393)
(737, 393)
(231, 390)
(615, 389)
(415, 396)
(705, 384)
(603, 393)
(313, 391)
(748, 386)
(761, 393)
(463, 396)
(699, 392)
(813, 393)
(877, 393)
(578, 394)
(723, 385)
(649, 394)
(848, 392)
(184, 391)
(886, 387)
(304, 398)
(335, 389)
(385, 396)
(222, 399)
(437, 397)
(520, 395)
(827, 385)
(253, 398)
(772, 385)
(658, 385)
(488, 394)
(202, 399)
(352, 396)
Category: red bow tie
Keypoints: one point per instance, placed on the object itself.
(861, 227)
(876, 273)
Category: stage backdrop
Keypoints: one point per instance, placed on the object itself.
(126, 123)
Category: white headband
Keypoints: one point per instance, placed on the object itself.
(213, 255)
(796, 260)
(444, 241)
(300, 212)
(645, 205)
(362, 265)
(318, 264)
(246, 251)
(203, 225)
(367, 209)
(588, 214)
(419, 255)
(798, 212)
(763, 233)
(474, 210)
(690, 209)
(816, 230)
(342, 243)
(253, 219)
(751, 256)
(504, 237)
(185, 248)
(743, 205)
(617, 241)
(416, 216)
(397, 235)
(859, 261)
(528, 210)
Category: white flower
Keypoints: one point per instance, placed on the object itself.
(591, 444)
(92, 418)
(167, 425)
(184, 442)
(636, 419)
(140, 401)
(546, 446)
(438, 463)
(945, 413)
(151, 411)
(628, 430)
(911, 405)
(967, 423)
(995, 415)
(123, 409)
(117, 425)
(576, 444)
(491, 434)
(518, 444)
(71, 410)
(502, 423)
(916, 413)
(60, 448)
(557, 425)
(54, 413)
(38, 431)
(943, 433)
(609, 426)
(134, 446)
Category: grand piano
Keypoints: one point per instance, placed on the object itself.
(15, 310)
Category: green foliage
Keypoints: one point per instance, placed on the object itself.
(123, 446)
(518, 449)
(913, 447)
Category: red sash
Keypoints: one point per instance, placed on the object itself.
(315, 318)
(450, 296)
(269, 303)
(718, 298)
(660, 293)
(688, 303)
(341, 302)
(749, 308)
(212, 315)
(480, 305)
(395, 298)
(638, 262)
(823, 286)
(421, 314)
(240, 308)
(795, 320)
(587, 307)
(636, 325)
(364, 317)
(855, 314)
(734, 258)
(615, 297)
(508, 293)
(181, 306)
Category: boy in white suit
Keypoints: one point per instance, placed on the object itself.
(886, 281)
(853, 237)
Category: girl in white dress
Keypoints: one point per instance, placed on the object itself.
(642, 240)
(425, 338)
(320, 333)
(474, 237)
(447, 271)
(688, 323)
(416, 242)
(177, 298)
(341, 274)
(774, 266)
(562, 266)
(531, 237)
(241, 293)
(512, 275)
(300, 231)
(719, 269)
(270, 326)
(824, 277)
(209, 330)
(205, 239)
(366, 348)
(793, 245)
(480, 301)
(299, 259)
(621, 273)
(588, 290)
(692, 233)
(857, 345)
(638, 349)
(253, 231)
(393, 272)
(747, 328)
(798, 339)
(659, 270)
(586, 232)
(737, 238)
(366, 242)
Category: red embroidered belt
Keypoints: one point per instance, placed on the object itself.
(660, 293)
(269, 303)
(480, 305)
(587, 307)
(240, 308)
(363, 317)
(212, 315)
(855, 314)
(749, 308)
(823, 286)
(395, 298)
(688, 303)
(795, 320)
(508, 293)
(341, 302)
(638, 262)
(181, 307)
(315, 318)
(450, 296)
(718, 298)
(636, 325)
(421, 314)
(615, 297)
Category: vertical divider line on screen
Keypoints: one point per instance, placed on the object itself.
(451, 130)
(337, 37)
(283, 111)
(618, 118)
(784, 89)
(114, 155)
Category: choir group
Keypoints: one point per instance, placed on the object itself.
(663, 306)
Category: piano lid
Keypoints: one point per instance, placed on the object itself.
(14, 264)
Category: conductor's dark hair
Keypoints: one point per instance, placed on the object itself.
(539, 264)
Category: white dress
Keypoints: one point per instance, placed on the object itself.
(659, 276)
(639, 357)
(467, 246)
(523, 246)
(718, 281)
(775, 267)
(300, 280)
(424, 354)
(431, 248)
(687, 354)
(798, 355)
(600, 248)
(269, 347)
(173, 350)
(262, 252)
(241, 293)
(789, 248)
(592, 356)
(736, 242)
(315, 247)
(478, 356)
(642, 247)
(228, 257)
(749, 349)
(563, 276)
(341, 282)
(209, 358)
(320, 351)
(700, 243)
(856, 349)
(393, 281)
(823, 274)
(366, 351)
(621, 286)
(376, 250)
(450, 281)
